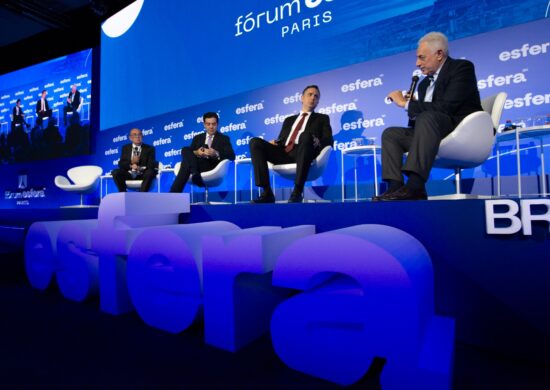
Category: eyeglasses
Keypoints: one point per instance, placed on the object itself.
(136, 135)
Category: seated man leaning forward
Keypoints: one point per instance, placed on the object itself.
(446, 95)
(137, 162)
(301, 139)
(206, 151)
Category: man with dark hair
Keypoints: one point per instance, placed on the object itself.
(18, 116)
(137, 162)
(206, 151)
(73, 103)
(43, 108)
(446, 95)
(301, 139)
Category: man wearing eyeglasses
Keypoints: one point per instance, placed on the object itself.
(137, 162)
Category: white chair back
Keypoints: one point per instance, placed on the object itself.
(215, 176)
(494, 105)
(471, 143)
(288, 171)
(85, 174)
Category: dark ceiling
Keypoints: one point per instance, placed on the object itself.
(33, 31)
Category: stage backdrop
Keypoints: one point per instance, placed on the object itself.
(512, 59)
(249, 61)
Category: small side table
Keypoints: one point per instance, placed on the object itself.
(361, 151)
(534, 132)
(244, 161)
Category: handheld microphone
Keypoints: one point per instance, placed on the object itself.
(413, 87)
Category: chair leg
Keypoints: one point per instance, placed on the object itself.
(457, 180)
(81, 199)
(206, 194)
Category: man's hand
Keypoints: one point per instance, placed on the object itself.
(273, 142)
(398, 98)
(134, 167)
(200, 152)
(211, 153)
(316, 143)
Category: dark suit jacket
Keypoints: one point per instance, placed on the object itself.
(39, 105)
(455, 92)
(146, 159)
(221, 143)
(76, 101)
(318, 125)
(18, 118)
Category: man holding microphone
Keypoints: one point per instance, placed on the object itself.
(446, 95)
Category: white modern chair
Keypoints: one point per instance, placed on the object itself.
(318, 165)
(136, 184)
(471, 143)
(84, 180)
(212, 178)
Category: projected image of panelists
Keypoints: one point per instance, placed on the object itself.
(59, 122)
(76, 114)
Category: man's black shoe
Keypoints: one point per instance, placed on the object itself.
(384, 195)
(296, 197)
(265, 197)
(197, 180)
(406, 193)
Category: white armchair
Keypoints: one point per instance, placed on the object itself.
(136, 183)
(471, 143)
(212, 178)
(84, 180)
(318, 165)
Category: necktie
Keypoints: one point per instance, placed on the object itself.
(209, 140)
(430, 90)
(297, 129)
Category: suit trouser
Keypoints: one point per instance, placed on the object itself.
(42, 115)
(191, 165)
(67, 109)
(120, 176)
(421, 142)
(262, 151)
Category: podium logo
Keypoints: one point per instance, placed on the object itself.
(505, 216)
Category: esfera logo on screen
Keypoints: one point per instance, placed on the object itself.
(291, 9)
(500, 81)
(524, 51)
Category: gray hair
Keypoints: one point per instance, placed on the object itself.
(436, 41)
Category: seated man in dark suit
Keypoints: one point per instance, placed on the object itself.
(206, 151)
(73, 102)
(446, 95)
(301, 139)
(43, 108)
(18, 115)
(136, 163)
